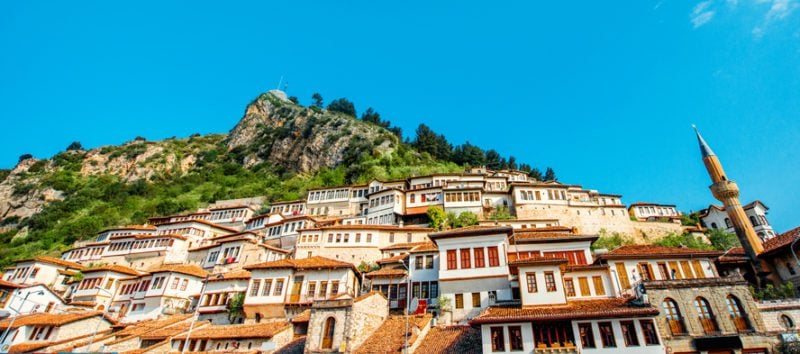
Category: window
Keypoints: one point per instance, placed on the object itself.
(698, 269)
(645, 271)
(429, 262)
(478, 255)
(417, 262)
(530, 278)
(174, 283)
(586, 334)
(673, 315)
(465, 258)
(583, 282)
(649, 332)
(569, 287)
(629, 333)
(494, 257)
(706, 315)
(254, 287)
(786, 322)
(278, 287)
(184, 284)
(625, 283)
(498, 342)
(607, 334)
(476, 299)
(459, 301)
(451, 259)
(737, 313)
(323, 288)
(334, 287)
(599, 288)
(434, 290)
(515, 338)
(550, 281)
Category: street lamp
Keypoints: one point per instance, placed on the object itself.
(19, 311)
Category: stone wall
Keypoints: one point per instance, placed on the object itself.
(368, 314)
(715, 291)
(773, 310)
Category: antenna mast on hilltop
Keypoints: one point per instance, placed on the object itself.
(285, 86)
(279, 83)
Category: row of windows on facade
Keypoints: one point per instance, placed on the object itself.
(573, 257)
(89, 252)
(537, 195)
(384, 200)
(336, 194)
(456, 197)
(425, 197)
(384, 219)
(705, 316)
(419, 290)
(157, 282)
(217, 299)
(229, 255)
(25, 273)
(182, 231)
(228, 214)
(198, 345)
(652, 210)
(104, 236)
(569, 284)
(288, 208)
(466, 257)
(135, 245)
(667, 271)
(757, 220)
(325, 289)
(559, 335)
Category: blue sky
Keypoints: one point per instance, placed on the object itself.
(606, 96)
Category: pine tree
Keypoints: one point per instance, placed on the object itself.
(550, 175)
(342, 105)
(317, 100)
(536, 174)
(371, 116)
(512, 163)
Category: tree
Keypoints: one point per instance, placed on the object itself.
(493, 160)
(342, 105)
(437, 217)
(294, 99)
(24, 157)
(722, 240)
(235, 306)
(464, 219)
(512, 163)
(536, 174)
(76, 145)
(436, 145)
(610, 242)
(691, 219)
(468, 154)
(501, 213)
(371, 116)
(525, 168)
(550, 175)
(682, 240)
(317, 100)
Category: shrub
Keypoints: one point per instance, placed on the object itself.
(76, 145)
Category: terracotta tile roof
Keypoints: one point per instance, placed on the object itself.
(547, 237)
(390, 336)
(49, 319)
(476, 230)
(233, 275)
(174, 330)
(239, 206)
(131, 227)
(402, 246)
(257, 330)
(144, 327)
(651, 204)
(734, 255)
(451, 340)
(387, 273)
(373, 227)
(653, 251)
(304, 316)
(564, 229)
(425, 247)
(83, 303)
(114, 268)
(9, 284)
(53, 261)
(575, 309)
(26, 347)
(275, 249)
(417, 210)
(67, 272)
(315, 262)
(580, 267)
(201, 221)
(188, 269)
(781, 241)
(394, 259)
(296, 346)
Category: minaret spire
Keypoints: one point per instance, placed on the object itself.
(705, 150)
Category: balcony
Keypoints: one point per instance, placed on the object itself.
(554, 349)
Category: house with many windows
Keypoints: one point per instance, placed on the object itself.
(164, 290)
(715, 217)
(355, 243)
(33, 332)
(49, 271)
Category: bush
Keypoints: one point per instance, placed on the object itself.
(683, 240)
(437, 217)
(76, 145)
(24, 157)
(612, 241)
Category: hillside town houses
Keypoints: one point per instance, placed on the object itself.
(362, 269)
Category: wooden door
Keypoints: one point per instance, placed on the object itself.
(327, 333)
(297, 286)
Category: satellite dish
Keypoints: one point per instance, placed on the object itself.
(414, 304)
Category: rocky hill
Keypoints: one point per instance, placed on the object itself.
(277, 150)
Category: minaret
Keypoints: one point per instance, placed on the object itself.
(728, 193)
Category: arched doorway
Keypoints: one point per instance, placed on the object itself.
(327, 333)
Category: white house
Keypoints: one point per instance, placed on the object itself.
(49, 271)
(32, 332)
(164, 290)
(715, 217)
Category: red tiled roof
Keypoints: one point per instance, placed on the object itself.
(55, 261)
(201, 221)
(372, 227)
(733, 255)
(390, 336)
(48, 319)
(537, 237)
(387, 273)
(188, 269)
(781, 241)
(451, 340)
(417, 210)
(394, 259)
(170, 331)
(9, 284)
(275, 249)
(257, 330)
(425, 247)
(651, 251)
(114, 268)
(83, 303)
(580, 267)
(131, 227)
(402, 246)
(233, 275)
(26, 347)
(538, 260)
(575, 309)
(475, 230)
(304, 316)
(315, 262)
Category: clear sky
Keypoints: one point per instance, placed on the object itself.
(606, 96)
